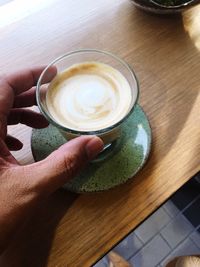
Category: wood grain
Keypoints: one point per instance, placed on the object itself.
(75, 230)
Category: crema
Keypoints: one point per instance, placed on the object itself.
(89, 96)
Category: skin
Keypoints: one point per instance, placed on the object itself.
(23, 187)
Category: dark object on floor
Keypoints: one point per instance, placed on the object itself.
(188, 198)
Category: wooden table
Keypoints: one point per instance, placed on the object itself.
(75, 230)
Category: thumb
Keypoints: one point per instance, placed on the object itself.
(63, 164)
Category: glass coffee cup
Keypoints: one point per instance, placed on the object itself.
(99, 61)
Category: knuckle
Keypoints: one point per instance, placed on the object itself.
(71, 165)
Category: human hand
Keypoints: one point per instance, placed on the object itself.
(22, 187)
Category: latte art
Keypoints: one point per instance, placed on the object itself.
(89, 96)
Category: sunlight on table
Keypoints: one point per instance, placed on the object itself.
(16, 10)
(191, 22)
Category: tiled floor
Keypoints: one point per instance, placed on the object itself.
(173, 230)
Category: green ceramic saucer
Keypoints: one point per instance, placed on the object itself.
(121, 162)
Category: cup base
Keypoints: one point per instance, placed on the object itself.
(107, 152)
(115, 165)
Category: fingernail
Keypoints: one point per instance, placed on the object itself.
(94, 147)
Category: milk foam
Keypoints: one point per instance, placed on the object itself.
(89, 96)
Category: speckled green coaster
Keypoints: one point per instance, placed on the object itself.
(128, 154)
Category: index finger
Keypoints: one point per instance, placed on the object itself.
(23, 80)
(15, 84)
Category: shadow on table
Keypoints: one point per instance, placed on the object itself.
(31, 247)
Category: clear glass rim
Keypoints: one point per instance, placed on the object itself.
(78, 132)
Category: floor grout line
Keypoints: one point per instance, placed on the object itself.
(166, 241)
(135, 253)
(188, 205)
(181, 212)
(179, 244)
(159, 233)
(194, 242)
(167, 212)
(172, 219)
(198, 245)
(139, 237)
